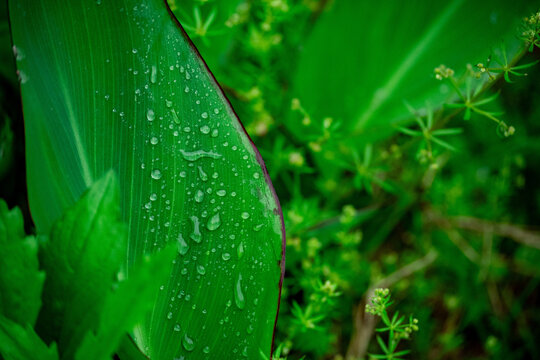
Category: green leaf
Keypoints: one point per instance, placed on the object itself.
(525, 66)
(487, 99)
(126, 306)
(21, 282)
(82, 259)
(446, 132)
(444, 144)
(369, 56)
(22, 343)
(382, 344)
(117, 84)
(409, 132)
(128, 350)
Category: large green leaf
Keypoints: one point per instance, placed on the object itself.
(117, 84)
(378, 54)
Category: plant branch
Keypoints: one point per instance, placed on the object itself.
(364, 324)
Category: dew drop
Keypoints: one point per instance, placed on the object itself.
(239, 299)
(202, 174)
(156, 174)
(154, 140)
(150, 116)
(169, 315)
(214, 222)
(240, 250)
(199, 196)
(196, 234)
(221, 192)
(204, 115)
(153, 74)
(225, 256)
(215, 133)
(245, 215)
(183, 247)
(201, 270)
(175, 117)
(168, 103)
(177, 327)
(258, 227)
(205, 129)
(206, 350)
(195, 155)
(188, 343)
(256, 175)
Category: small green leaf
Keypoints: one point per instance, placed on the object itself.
(467, 114)
(22, 343)
(382, 344)
(21, 282)
(487, 99)
(409, 132)
(445, 132)
(127, 305)
(525, 66)
(444, 144)
(454, 105)
(82, 259)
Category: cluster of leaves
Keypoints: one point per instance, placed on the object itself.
(396, 327)
(65, 295)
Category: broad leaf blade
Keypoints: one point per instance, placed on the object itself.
(117, 84)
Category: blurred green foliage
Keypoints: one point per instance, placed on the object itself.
(393, 171)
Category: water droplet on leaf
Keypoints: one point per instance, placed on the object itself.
(156, 174)
(201, 270)
(199, 196)
(153, 74)
(150, 115)
(239, 299)
(202, 174)
(214, 222)
(183, 247)
(196, 155)
(188, 343)
(196, 234)
(240, 250)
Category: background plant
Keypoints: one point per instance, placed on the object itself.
(434, 197)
